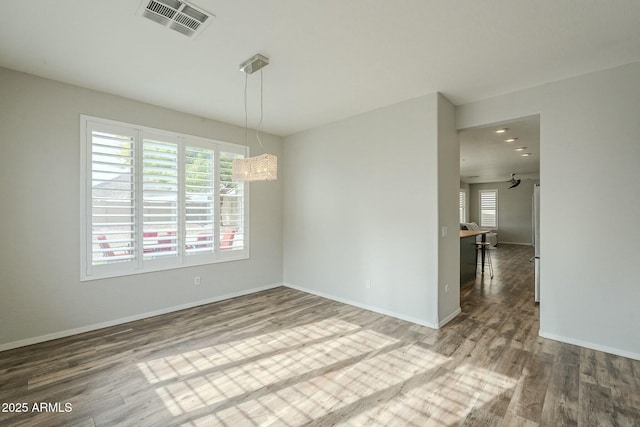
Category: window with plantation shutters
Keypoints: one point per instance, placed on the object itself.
(462, 202)
(154, 200)
(489, 208)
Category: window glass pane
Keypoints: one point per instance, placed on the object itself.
(112, 198)
(160, 199)
(232, 230)
(199, 200)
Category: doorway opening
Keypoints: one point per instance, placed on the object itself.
(499, 169)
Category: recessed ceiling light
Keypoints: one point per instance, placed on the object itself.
(511, 140)
(525, 154)
(502, 130)
(520, 148)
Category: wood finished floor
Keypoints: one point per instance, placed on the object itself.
(283, 357)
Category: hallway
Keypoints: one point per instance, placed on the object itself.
(559, 384)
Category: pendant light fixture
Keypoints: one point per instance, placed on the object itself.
(265, 166)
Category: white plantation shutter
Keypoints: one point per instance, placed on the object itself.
(155, 200)
(462, 200)
(112, 194)
(199, 200)
(489, 208)
(232, 225)
(160, 198)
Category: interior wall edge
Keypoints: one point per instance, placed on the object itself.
(590, 345)
(449, 317)
(375, 309)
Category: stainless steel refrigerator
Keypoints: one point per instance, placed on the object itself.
(536, 239)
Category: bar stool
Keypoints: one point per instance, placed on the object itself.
(486, 247)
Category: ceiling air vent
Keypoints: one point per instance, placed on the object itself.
(178, 15)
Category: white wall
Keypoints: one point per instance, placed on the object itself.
(515, 210)
(448, 212)
(361, 204)
(590, 203)
(41, 294)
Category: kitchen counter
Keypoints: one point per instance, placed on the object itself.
(468, 254)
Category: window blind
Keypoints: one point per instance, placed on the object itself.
(160, 199)
(199, 200)
(489, 208)
(112, 197)
(231, 206)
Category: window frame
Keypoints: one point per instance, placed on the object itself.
(140, 265)
(495, 192)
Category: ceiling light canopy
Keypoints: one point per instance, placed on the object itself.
(253, 64)
(511, 140)
(520, 148)
(525, 154)
(502, 130)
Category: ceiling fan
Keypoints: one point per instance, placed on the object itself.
(513, 181)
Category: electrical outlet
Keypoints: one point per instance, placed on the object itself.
(196, 280)
(444, 231)
(367, 284)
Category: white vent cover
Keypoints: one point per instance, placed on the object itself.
(178, 15)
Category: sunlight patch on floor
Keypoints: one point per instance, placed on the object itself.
(209, 389)
(444, 401)
(189, 362)
(336, 390)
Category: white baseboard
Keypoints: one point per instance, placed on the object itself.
(365, 306)
(120, 321)
(592, 346)
(449, 318)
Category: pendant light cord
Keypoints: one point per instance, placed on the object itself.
(246, 114)
(246, 140)
(259, 128)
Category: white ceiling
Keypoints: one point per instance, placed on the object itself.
(485, 156)
(330, 59)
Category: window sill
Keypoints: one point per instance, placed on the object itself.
(109, 273)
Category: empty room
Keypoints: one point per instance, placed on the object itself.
(249, 213)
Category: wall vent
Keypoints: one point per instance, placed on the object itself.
(178, 15)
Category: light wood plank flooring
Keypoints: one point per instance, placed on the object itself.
(283, 357)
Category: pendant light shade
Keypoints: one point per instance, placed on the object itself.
(258, 168)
